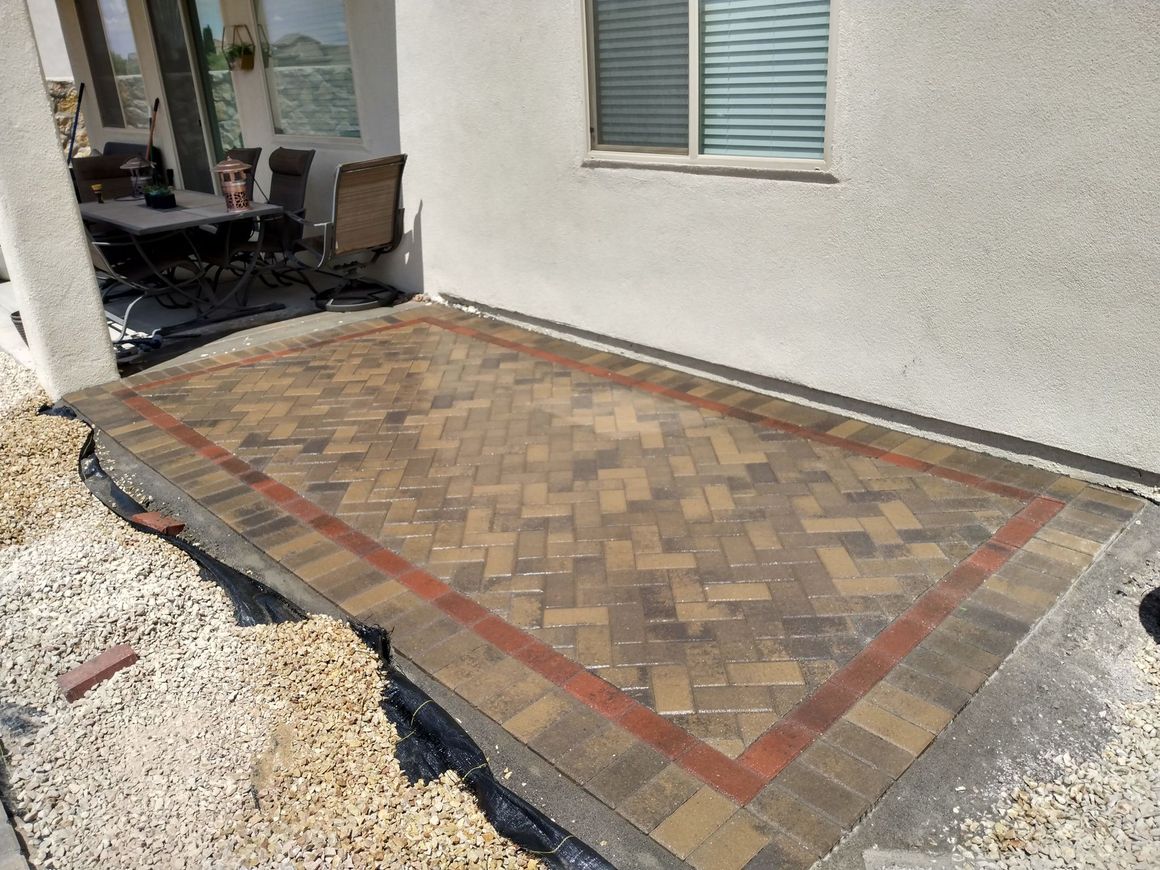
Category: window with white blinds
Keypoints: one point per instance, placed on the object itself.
(759, 67)
(642, 73)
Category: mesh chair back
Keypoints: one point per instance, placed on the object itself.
(250, 156)
(131, 149)
(367, 198)
(289, 172)
(104, 170)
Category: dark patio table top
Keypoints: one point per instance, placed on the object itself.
(194, 209)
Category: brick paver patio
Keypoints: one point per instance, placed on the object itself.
(733, 619)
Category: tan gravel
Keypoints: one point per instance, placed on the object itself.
(1102, 812)
(223, 746)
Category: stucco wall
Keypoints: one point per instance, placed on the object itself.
(989, 256)
(50, 270)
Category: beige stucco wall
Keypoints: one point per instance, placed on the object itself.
(989, 257)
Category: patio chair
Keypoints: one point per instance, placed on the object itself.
(104, 170)
(367, 219)
(289, 174)
(144, 270)
(135, 149)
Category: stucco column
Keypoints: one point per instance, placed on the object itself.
(40, 225)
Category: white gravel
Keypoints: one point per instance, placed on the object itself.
(1102, 812)
(222, 746)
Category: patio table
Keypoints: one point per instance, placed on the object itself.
(194, 209)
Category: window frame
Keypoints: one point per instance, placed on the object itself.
(693, 159)
(94, 31)
(257, 8)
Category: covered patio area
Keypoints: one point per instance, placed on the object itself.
(733, 620)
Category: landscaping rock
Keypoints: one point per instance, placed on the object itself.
(1099, 812)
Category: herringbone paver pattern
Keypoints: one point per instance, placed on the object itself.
(717, 571)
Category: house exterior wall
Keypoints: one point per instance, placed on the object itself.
(55, 289)
(988, 256)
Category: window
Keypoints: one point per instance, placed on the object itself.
(208, 30)
(112, 55)
(308, 68)
(757, 69)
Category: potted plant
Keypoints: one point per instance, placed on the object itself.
(240, 49)
(240, 55)
(160, 195)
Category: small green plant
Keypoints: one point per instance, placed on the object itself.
(240, 55)
(158, 188)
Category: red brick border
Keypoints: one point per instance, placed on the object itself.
(739, 779)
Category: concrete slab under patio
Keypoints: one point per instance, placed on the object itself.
(732, 620)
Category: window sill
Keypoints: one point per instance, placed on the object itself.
(778, 173)
(335, 143)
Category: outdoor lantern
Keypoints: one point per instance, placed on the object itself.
(140, 171)
(233, 175)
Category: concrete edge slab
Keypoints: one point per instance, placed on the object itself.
(1046, 698)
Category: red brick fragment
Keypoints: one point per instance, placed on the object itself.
(75, 683)
(159, 523)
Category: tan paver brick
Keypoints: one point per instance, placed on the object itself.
(786, 673)
(658, 798)
(732, 845)
(890, 727)
(694, 821)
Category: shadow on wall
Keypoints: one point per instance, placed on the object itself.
(407, 264)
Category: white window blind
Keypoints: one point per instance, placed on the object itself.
(642, 73)
(763, 77)
(760, 70)
(309, 72)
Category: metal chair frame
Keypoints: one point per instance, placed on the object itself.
(351, 233)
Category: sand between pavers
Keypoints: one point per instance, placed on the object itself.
(222, 746)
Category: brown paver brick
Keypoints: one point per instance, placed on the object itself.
(823, 794)
(912, 708)
(888, 726)
(694, 821)
(732, 845)
(530, 722)
(623, 774)
(789, 814)
(658, 798)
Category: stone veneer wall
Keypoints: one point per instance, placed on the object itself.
(63, 95)
(226, 104)
(315, 100)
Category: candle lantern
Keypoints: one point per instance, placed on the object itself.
(140, 171)
(233, 174)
